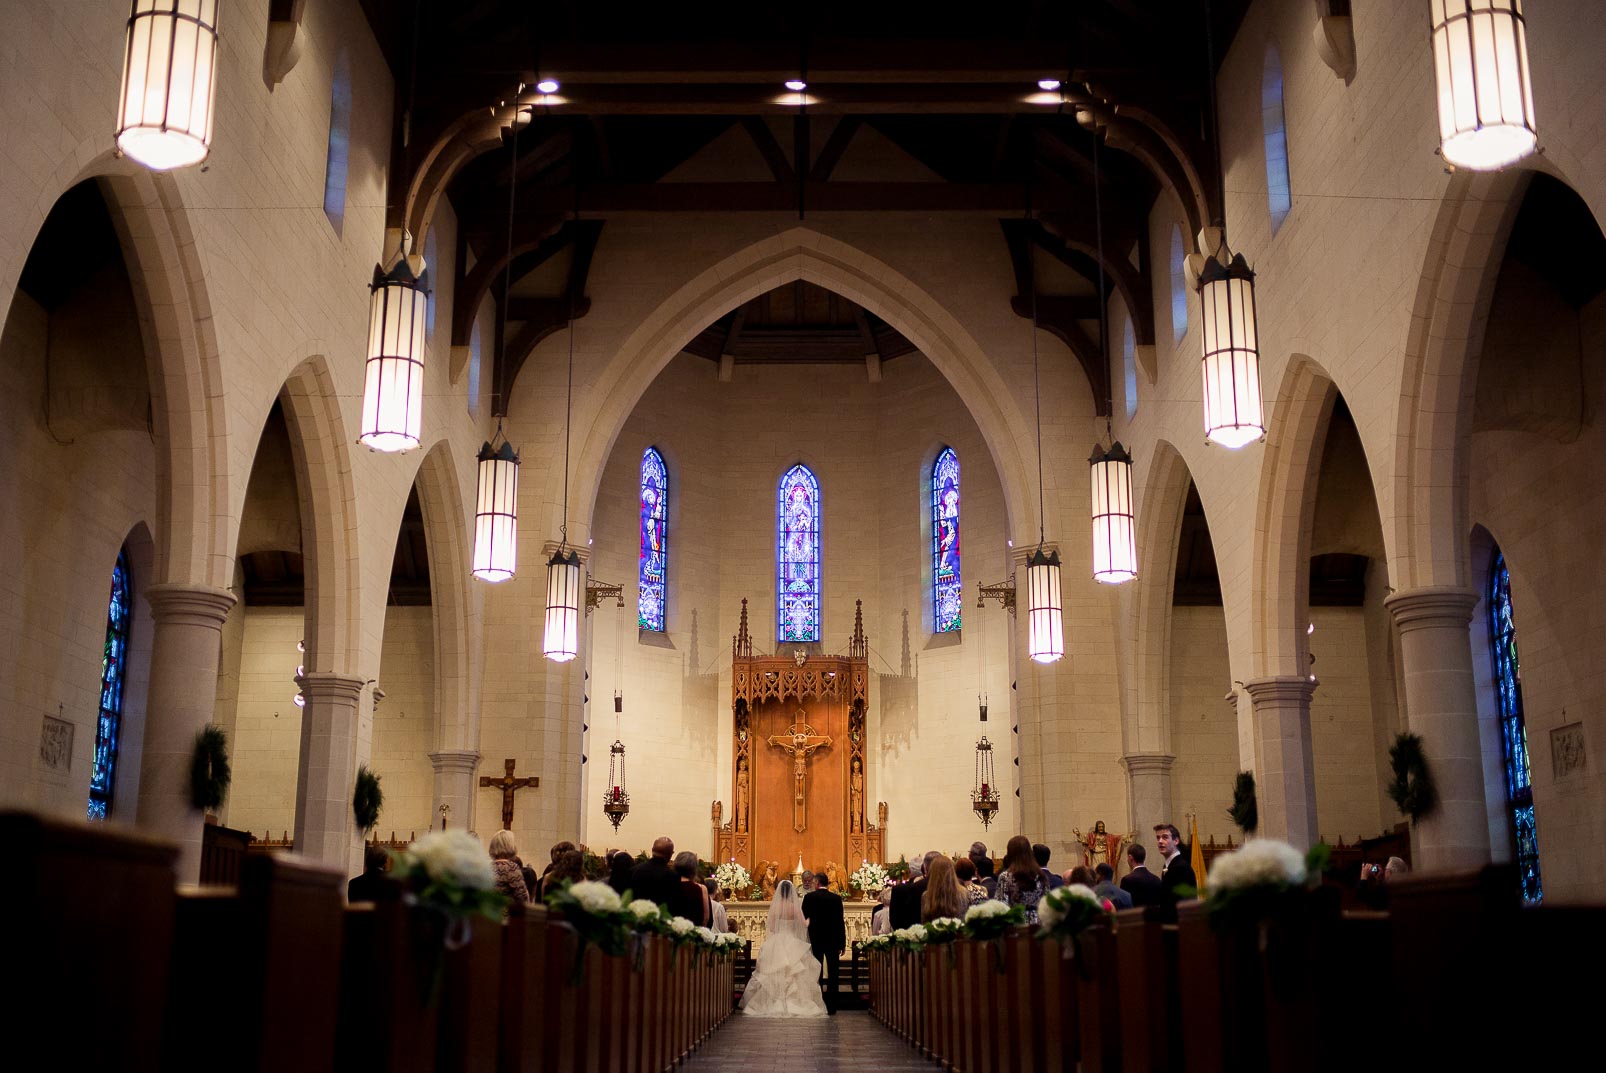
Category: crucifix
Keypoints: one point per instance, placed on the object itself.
(799, 740)
(508, 785)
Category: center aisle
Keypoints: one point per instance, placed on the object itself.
(851, 1039)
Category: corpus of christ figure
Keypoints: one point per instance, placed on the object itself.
(508, 784)
(799, 740)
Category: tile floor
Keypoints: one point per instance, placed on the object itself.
(851, 1039)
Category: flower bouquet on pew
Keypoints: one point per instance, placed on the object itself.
(1065, 915)
(944, 932)
(989, 921)
(910, 940)
(598, 915)
(1262, 880)
(448, 874)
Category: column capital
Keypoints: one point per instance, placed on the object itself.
(181, 604)
(1280, 689)
(462, 761)
(1432, 607)
(1148, 763)
(330, 686)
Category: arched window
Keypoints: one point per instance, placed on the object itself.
(797, 556)
(474, 370)
(103, 773)
(1179, 286)
(1513, 731)
(334, 174)
(1129, 362)
(1278, 196)
(434, 275)
(654, 541)
(947, 591)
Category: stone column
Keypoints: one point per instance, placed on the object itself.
(454, 787)
(326, 830)
(1285, 776)
(185, 642)
(1441, 706)
(1148, 795)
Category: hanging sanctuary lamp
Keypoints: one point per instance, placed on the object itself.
(616, 799)
(169, 88)
(1480, 66)
(984, 794)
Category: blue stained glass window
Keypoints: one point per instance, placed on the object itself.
(1513, 730)
(654, 541)
(1279, 197)
(797, 556)
(1179, 286)
(947, 591)
(335, 167)
(103, 774)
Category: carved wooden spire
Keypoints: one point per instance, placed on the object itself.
(860, 648)
(742, 643)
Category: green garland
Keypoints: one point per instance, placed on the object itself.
(1412, 790)
(1245, 813)
(367, 799)
(209, 768)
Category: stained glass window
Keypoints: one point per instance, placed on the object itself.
(947, 592)
(1513, 730)
(103, 774)
(797, 556)
(1279, 198)
(654, 546)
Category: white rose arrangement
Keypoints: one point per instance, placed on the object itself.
(681, 926)
(707, 935)
(596, 911)
(993, 919)
(732, 876)
(870, 877)
(450, 873)
(1260, 880)
(944, 930)
(595, 898)
(644, 909)
(1066, 912)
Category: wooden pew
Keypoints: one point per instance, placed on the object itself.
(392, 969)
(249, 963)
(89, 907)
(1148, 1001)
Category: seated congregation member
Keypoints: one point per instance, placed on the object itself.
(1106, 888)
(1042, 854)
(653, 878)
(620, 865)
(906, 897)
(975, 893)
(1081, 874)
(982, 861)
(1022, 881)
(944, 896)
(690, 899)
(509, 880)
(373, 884)
(558, 850)
(716, 905)
(881, 917)
(531, 882)
(1142, 884)
(570, 867)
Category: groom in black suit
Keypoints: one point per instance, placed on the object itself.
(827, 933)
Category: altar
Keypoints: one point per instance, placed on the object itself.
(748, 918)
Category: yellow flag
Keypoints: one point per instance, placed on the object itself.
(1196, 858)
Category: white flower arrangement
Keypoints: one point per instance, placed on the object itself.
(870, 877)
(644, 909)
(598, 899)
(681, 926)
(944, 929)
(455, 858)
(450, 873)
(732, 876)
(1261, 862)
(708, 936)
(992, 907)
(993, 919)
(1068, 910)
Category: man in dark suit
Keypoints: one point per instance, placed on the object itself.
(827, 933)
(373, 885)
(905, 908)
(653, 878)
(1043, 854)
(1142, 884)
(690, 899)
(1177, 872)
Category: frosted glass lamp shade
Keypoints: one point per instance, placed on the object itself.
(496, 514)
(1045, 621)
(1115, 547)
(1233, 410)
(393, 387)
(1480, 65)
(164, 111)
(565, 589)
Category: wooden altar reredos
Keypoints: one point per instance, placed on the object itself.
(808, 799)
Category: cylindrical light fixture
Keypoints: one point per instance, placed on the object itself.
(1115, 544)
(1233, 414)
(164, 113)
(496, 514)
(393, 388)
(1045, 622)
(1486, 101)
(565, 589)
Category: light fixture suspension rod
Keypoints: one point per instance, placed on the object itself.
(507, 269)
(1037, 393)
(1215, 123)
(1104, 337)
(568, 397)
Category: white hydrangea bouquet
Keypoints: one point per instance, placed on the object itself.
(726, 943)
(944, 930)
(993, 919)
(1260, 880)
(596, 911)
(1068, 911)
(732, 876)
(870, 878)
(911, 939)
(449, 873)
(876, 944)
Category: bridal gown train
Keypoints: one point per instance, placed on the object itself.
(786, 978)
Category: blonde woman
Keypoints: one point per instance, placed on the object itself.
(509, 879)
(944, 897)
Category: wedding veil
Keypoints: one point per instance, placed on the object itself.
(786, 914)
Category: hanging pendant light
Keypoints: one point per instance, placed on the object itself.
(984, 794)
(496, 513)
(393, 385)
(1115, 549)
(164, 112)
(1233, 412)
(1480, 64)
(1045, 626)
(565, 589)
(616, 799)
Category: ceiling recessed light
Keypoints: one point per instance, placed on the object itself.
(1048, 85)
(796, 85)
(547, 85)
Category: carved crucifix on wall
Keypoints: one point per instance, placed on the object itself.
(799, 740)
(509, 785)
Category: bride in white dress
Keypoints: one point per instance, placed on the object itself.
(786, 980)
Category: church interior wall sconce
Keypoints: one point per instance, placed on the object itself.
(597, 591)
(1003, 592)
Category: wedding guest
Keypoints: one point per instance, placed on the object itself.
(975, 893)
(1176, 872)
(905, 907)
(653, 878)
(1142, 884)
(558, 850)
(620, 865)
(1042, 854)
(373, 883)
(690, 899)
(509, 880)
(881, 917)
(982, 861)
(716, 905)
(531, 883)
(570, 867)
(1022, 881)
(1081, 874)
(944, 896)
(1105, 887)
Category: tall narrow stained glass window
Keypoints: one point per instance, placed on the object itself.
(654, 541)
(103, 773)
(1513, 730)
(797, 556)
(947, 591)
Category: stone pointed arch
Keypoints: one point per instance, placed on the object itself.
(441, 500)
(802, 253)
(320, 447)
(1147, 727)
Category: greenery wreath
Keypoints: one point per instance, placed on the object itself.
(209, 768)
(1412, 790)
(1245, 812)
(367, 799)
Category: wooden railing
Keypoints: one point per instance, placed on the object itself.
(279, 974)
